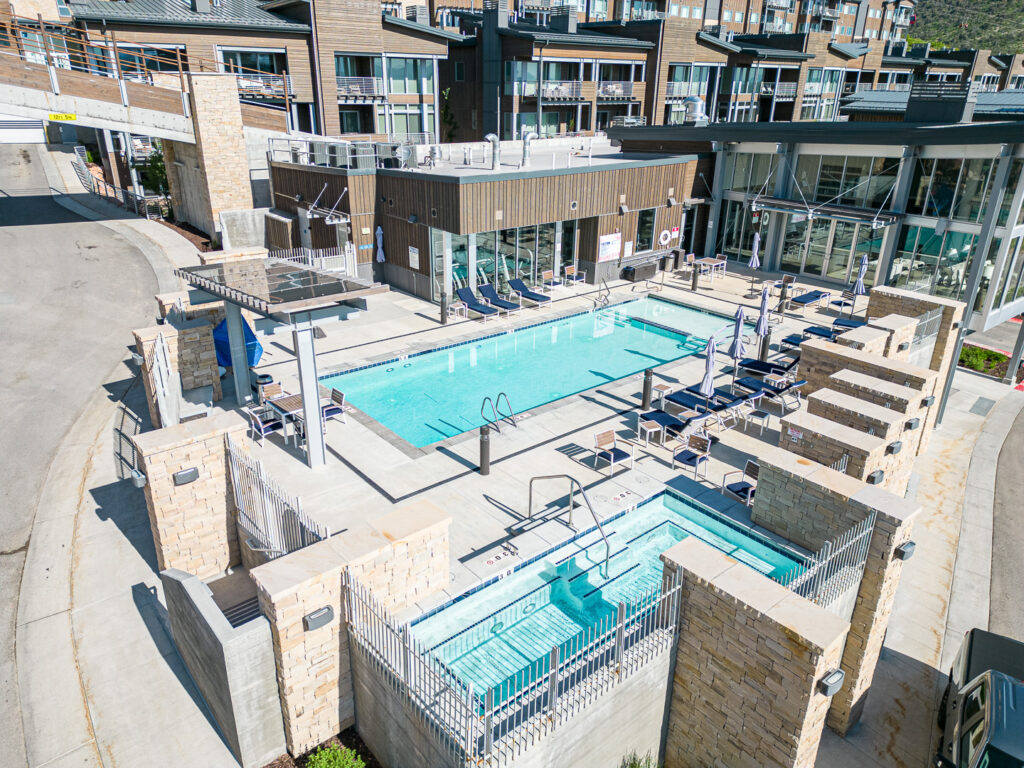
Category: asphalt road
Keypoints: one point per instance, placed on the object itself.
(70, 293)
(1006, 612)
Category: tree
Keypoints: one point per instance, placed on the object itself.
(448, 122)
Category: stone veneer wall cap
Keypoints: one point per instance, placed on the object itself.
(285, 574)
(169, 438)
(808, 620)
(886, 502)
(892, 322)
(864, 334)
(357, 543)
(743, 583)
(888, 388)
(849, 436)
(787, 461)
(866, 357)
(835, 482)
(409, 518)
(151, 332)
(701, 559)
(938, 301)
(864, 408)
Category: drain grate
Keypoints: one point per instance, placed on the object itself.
(982, 406)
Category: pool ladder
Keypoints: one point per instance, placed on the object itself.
(604, 296)
(573, 484)
(496, 416)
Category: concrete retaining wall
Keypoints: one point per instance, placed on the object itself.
(233, 667)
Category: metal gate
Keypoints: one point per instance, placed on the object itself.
(268, 515)
(925, 335)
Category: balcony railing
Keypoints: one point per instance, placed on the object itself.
(550, 89)
(771, 27)
(264, 86)
(678, 90)
(784, 5)
(785, 91)
(639, 14)
(628, 121)
(411, 138)
(891, 87)
(825, 12)
(901, 20)
(360, 86)
(615, 90)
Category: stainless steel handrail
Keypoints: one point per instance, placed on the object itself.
(492, 421)
(574, 482)
(511, 415)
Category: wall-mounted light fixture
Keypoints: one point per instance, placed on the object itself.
(318, 618)
(905, 550)
(138, 479)
(894, 448)
(903, 346)
(929, 401)
(830, 684)
(875, 477)
(186, 476)
(913, 423)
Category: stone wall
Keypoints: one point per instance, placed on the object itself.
(826, 442)
(819, 359)
(887, 301)
(900, 333)
(191, 355)
(233, 668)
(810, 504)
(193, 525)
(212, 312)
(749, 656)
(403, 556)
(865, 339)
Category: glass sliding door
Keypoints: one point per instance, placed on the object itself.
(485, 258)
(838, 267)
(545, 256)
(817, 247)
(793, 244)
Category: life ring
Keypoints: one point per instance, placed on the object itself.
(665, 237)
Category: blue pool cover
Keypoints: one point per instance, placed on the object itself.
(253, 349)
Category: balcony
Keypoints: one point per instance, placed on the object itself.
(360, 87)
(617, 90)
(639, 14)
(773, 27)
(902, 20)
(781, 91)
(782, 5)
(550, 90)
(410, 138)
(681, 90)
(264, 86)
(825, 12)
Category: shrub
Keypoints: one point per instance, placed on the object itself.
(335, 756)
(633, 760)
(980, 359)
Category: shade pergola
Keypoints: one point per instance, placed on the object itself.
(286, 293)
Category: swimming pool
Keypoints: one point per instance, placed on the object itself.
(491, 635)
(435, 395)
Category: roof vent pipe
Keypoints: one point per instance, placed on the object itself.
(495, 150)
(527, 141)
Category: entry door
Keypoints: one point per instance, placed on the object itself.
(838, 265)
(819, 240)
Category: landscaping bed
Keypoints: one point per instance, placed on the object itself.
(989, 362)
(347, 739)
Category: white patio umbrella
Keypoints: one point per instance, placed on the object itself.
(707, 384)
(755, 262)
(380, 244)
(858, 287)
(763, 328)
(736, 350)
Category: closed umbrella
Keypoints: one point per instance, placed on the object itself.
(380, 244)
(763, 328)
(707, 384)
(755, 262)
(858, 287)
(736, 351)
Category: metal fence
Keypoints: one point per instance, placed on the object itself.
(268, 515)
(328, 259)
(159, 365)
(835, 568)
(149, 206)
(127, 424)
(926, 333)
(493, 726)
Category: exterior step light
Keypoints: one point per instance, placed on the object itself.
(913, 423)
(905, 550)
(318, 618)
(894, 448)
(830, 684)
(903, 346)
(186, 476)
(138, 359)
(138, 479)
(875, 477)
(929, 401)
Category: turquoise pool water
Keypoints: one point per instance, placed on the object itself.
(491, 635)
(432, 396)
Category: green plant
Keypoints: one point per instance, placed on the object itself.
(451, 125)
(335, 756)
(981, 359)
(153, 172)
(633, 760)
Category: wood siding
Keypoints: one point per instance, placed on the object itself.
(267, 118)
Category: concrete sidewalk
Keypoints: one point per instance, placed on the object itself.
(944, 588)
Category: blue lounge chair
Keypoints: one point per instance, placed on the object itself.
(786, 396)
(794, 340)
(764, 367)
(688, 400)
(523, 291)
(474, 305)
(804, 300)
(822, 332)
(490, 296)
(847, 323)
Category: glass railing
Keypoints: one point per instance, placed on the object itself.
(360, 86)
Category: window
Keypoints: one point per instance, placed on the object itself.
(411, 75)
(753, 18)
(696, 11)
(460, 71)
(972, 191)
(349, 121)
(726, 16)
(264, 61)
(645, 230)
(739, 17)
(684, 12)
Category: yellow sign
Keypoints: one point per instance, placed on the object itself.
(63, 116)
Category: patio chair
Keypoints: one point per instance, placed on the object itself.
(606, 448)
(728, 415)
(809, 299)
(573, 276)
(474, 305)
(336, 408)
(786, 281)
(263, 421)
(490, 296)
(754, 412)
(744, 488)
(523, 291)
(685, 262)
(694, 453)
(764, 368)
(548, 280)
(846, 299)
(270, 391)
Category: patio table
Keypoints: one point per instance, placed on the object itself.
(290, 409)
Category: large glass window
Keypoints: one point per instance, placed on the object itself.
(972, 190)
(410, 75)
(545, 250)
(264, 61)
(460, 261)
(437, 259)
(830, 178)
(987, 273)
(568, 243)
(793, 243)
(919, 185)
(928, 262)
(904, 256)
(807, 175)
(645, 230)
(1011, 255)
(1011, 189)
(855, 180)
(485, 261)
(953, 264)
(943, 189)
(883, 178)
